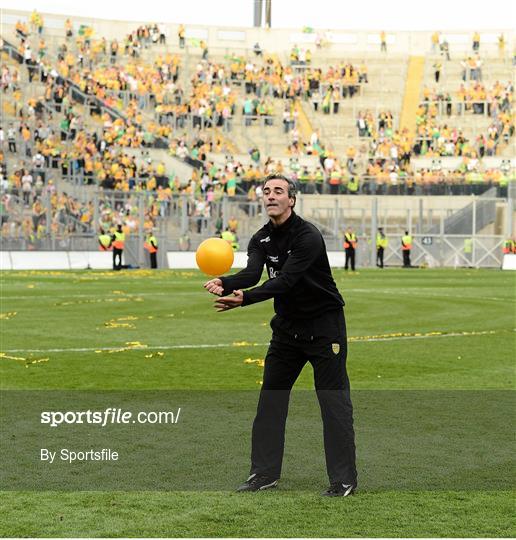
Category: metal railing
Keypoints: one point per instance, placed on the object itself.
(463, 108)
(439, 238)
(450, 250)
(471, 219)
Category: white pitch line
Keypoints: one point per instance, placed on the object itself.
(229, 345)
(430, 295)
(395, 292)
(99, 295)
(147, 348)
(423, 336)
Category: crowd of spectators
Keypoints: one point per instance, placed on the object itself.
(120, 77)
(135, 86)
(435, 137)
(367, 126)
(47, 212)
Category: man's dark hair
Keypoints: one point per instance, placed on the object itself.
(292, 188)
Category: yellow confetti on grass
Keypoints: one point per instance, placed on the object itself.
(155, 354)
(129, 346)
(394, 335)
(131, 274)
(101, 300)
(8, 357)
(119, 322)
(8, 315)
(243, 344)
(36, 361)
(133, 346)
(114, 324)
(420, 334)
(260, 362)
(39, 273)
(28, 360)
(31, 286)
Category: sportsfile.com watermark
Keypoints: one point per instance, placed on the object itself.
(109, 416)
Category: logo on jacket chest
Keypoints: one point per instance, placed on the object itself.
(273, 266)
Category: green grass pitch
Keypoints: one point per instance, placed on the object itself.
(446, 333)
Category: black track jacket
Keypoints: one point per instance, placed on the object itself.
(300, 279)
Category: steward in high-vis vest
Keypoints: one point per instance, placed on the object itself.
(335, 181)
(151, 245)
(231, 238)
(406, 246)
(353, 185)
(319, 180)
(509, 246)
(305, 181)
(118, 243)
(468, 249)
(104, 241)
(350, 244)
(381, 245)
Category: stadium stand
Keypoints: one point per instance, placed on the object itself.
(130, 112)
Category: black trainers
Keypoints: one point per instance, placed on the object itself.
(338, 489)
(258, 482)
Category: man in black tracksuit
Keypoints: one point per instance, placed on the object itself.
(308, 326)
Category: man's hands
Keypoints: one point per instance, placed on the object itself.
(214, 286)
(229, 302)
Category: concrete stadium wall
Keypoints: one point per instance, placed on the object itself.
(394, 203)
(235, 39)
(453, 163)
(55, 260)
(177, 260)
(95, 260)
(509, 262)
(186, 259)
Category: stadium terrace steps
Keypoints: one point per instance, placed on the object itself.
(413, 82)
(451, 79)
(509, 150)
(305, 126)
(341, 127)
(386, 78)
(451, 72)
(36, 89)
(227, 140)
(273, 138)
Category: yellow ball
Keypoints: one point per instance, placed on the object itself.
(214, 256)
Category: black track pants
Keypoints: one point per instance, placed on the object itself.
(285, 359)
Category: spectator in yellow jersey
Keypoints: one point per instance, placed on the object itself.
(476, 41)
(181, 36)
(435, 42)
(383, 41)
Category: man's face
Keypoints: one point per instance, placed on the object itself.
(276, 199)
